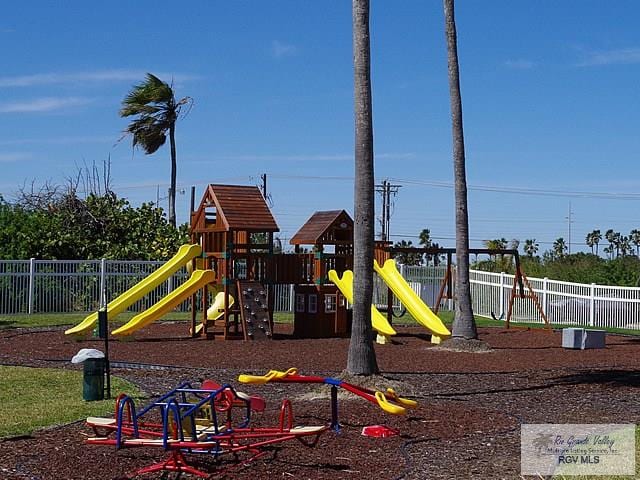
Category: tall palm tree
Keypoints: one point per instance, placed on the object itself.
(617, 242)
(464, 325)
(361, 359)
(156, 111)
(597, 236)
(634, 236)
(625, 245)
(610, 236)
(560, 247)
(530, 247)
(589, 240)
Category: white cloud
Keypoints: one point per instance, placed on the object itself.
(99, 76)
(520, 64)
(280, 49)
(623, 56)
(14, 157)
(59, 140)
(46, 104)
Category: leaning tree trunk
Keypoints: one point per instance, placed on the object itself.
(362, 356)
(464, 324)
(172, 188)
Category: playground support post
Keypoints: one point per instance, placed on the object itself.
(103, 333)
(335, 424)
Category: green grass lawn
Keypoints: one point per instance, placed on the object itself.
(32, 398)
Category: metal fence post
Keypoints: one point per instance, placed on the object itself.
(32, 276)
(592, 304)
(501, 295)
(291, 298)
(102, 295)
(544, 296)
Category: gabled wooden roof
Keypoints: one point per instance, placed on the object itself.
(317, 229)
(240, 207)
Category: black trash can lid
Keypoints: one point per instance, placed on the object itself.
(85, 354)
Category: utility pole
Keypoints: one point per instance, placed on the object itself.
(386, 189)
(264, 185)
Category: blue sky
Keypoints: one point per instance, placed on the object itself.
(549, 89)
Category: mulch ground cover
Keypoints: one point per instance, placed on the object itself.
(467, 424)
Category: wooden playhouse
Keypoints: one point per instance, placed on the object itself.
(320, 309)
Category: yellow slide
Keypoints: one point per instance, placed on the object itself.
(345, 284)
(199, 279)
(413, 303)
(216, 310)
(139, 290)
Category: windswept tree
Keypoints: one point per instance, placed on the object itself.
(362, 357)
(464, 325)
(156, 111)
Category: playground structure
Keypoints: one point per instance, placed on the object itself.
(216, 420)
(233, 269)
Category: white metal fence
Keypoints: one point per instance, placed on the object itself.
(62, 286)
(564, 303)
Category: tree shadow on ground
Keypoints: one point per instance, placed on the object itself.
(613, 377)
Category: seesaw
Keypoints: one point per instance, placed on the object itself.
(389, 400)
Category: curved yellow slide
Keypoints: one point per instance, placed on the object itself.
(140, 289)
(216, 310)
(413, 303)
(345, 284)
(199, 279)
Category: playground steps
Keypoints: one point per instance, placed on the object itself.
(254, 310)
(220, 330)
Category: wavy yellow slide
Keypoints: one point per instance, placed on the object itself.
(413, 303)
(216, 310)
(140, 289)
(345, 284)
(198, 279)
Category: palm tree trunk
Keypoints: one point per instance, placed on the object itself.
(362, 357)
(463, 324)
(172, 189)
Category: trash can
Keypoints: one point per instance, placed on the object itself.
(93, 373)
(93, 379)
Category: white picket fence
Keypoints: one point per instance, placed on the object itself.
(63, 286)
